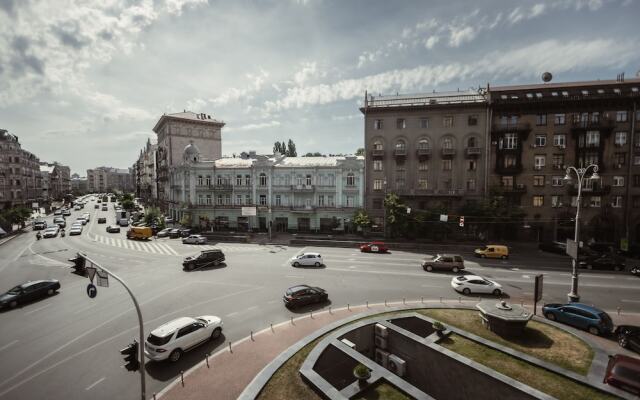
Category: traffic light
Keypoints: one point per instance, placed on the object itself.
(79, 265)
(130, 354)
(461, 221)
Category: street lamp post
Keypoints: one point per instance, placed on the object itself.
(384, 208)
(581, 176)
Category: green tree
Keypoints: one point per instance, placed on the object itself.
(361, 220)
(291, 149)
(360, 151)
(277, 148)
(17, 215)
(128, 204)
(186, 220)
(153, 216)
(396, 214)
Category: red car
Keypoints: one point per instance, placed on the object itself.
(374, 247)
(624, 373)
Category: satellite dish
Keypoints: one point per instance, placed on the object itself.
(546, 77)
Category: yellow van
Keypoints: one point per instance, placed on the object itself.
(139, 232)
(493, 251)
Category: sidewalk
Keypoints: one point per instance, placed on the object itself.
(230, 372)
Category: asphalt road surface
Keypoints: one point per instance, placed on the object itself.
(67, 346)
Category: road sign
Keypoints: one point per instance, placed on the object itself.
(444, 217)
(572, 249)
(92, 290)
(103, 279)
(249, 211)
(91, 272)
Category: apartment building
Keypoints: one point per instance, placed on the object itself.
(300, 194)
(539, 130)
(20, 178)
(145, 173)
(79, 185)
(429, 149)
(109, 179)
(175, 132)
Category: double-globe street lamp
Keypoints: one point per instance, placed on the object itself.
(581, 176)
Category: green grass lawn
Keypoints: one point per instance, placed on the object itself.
(538, 339)
(384, 391)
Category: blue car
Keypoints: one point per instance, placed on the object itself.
(581, 316)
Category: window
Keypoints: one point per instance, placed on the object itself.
(510, 161)
(539, 162)
(541, 119)
(473, 120)
(618, 181)
(471, 184)
(559, 119)
(238, 180)
(472, 142)
(424, 123)
(209, 199)
(594, 201)
(558, 161)
(400, 181)
(219, 200)
(447, 121)
(593, 138)
(423, 165)
(621, 138)
(538, 180)
(377, 124)
(377, 204)
(560, 141)
(263, 199)
(351, 179)
(200, 199)
(199, 180)
(616, 201)
(446, 165)
(619, 160)
(401, 123)
(208, 180)
(540, 141)
(247, 199)
(557, 181)
(447, 143)
(556, 201)
(219, 180)
(278, 200)
(538, 201)
(510, 141)
(506, 181)
(635, 201)
(308, 180)
(377, 165)
(321, 201)
(377, 184)
(621, 116)
(247, 180)
(263, 179)
(238, 199)
(422, 184)
(401, 145)
(227, 199)
(423, 144)
(330, 202)
(377, 145)
(472, 165)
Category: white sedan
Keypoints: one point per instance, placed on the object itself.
(468, 284)
(51, 232)
(195, 239)
(172, 339)
(75, 229)
(314, 259)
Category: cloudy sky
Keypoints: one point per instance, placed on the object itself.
(84, 81)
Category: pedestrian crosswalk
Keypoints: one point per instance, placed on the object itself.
(149, 247)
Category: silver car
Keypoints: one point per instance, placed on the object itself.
(194, 239)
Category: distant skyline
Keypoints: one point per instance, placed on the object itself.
(84, 82)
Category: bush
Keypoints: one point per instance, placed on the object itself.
(361, 371)
(438, 326)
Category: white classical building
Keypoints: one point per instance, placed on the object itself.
(254, 192)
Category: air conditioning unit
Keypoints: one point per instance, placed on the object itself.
(382, 357)
(349, 343)
(396, 365)
(381, 330)
(380, 342)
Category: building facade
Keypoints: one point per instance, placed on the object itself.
(59, 181)
(145, 174)
(79, 185)
(301, 194)
(537, 131)
(175, 132)
(108, 179)
(20, 178)
(431, 150)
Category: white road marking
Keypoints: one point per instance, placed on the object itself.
(86, 308)
(526, 276)
(294, 276)
(95, 383)
(630, 301)
(252, 308)
(232, 314)
(6, 346)
(37, 309)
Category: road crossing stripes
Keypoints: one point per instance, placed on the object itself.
(155, 248)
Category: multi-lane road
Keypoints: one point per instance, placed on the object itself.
(67, 346)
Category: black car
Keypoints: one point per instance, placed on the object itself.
(206, 258)
(303, 294)
(28, 292)
(113, 229)
(174, 233)
(628, 337)
(186, 232)
(604, 261)
(553, 247)
(102, 220)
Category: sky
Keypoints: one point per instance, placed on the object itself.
(83, 82)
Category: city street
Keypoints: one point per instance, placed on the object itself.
(67, 346)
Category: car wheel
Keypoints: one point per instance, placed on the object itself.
(455, 270)
(496, 292)
(504, 257)
(317, 264)
(216, 333)
(296, 264)
(175, 355)
(13, 304)
(466, 291)
(594, 330)
(50, 292)
(623, 341)
(428, 268)
(550, 316)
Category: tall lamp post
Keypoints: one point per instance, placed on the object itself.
(384, 208)
(581, 176)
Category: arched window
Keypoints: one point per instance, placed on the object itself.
(401, 145)
(472, 142)
(377, 145)
(247, 180)
(263, 179)
(423, 144)
(447, 143)
(238, 180)
(351, 179)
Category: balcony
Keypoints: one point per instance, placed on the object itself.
(606, 124)
(377, 153)
(350, 188)
(302, 209)
(302, 188)
(400, 153)
(508, 170)
(448, 152)
(518, 188)
(524, 127)
(595, 190)
(424, 152)
(472, 151)
(223, 187)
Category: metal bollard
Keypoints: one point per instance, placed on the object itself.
(154, 396)
(182, 378)
(292, 321)
(367, 304)
(230, 351)
(422, 300)
(385, 303)
(252, 339)
(206, 357)
(271, 327)
(404, 301)
(459, 299)
(618, 310)
(348, 307)
(311, 314)
(330, 312)
(440, 299)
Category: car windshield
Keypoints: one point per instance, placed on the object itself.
(159, 340)
(626, 373)
(15, 290)
(483, 248)
(437, 258)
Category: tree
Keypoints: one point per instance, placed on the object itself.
(361, 220)
(277, 148)
(128, 204)
(396, 213)
(186, 220)
(360, 151)
(291, 149)
(153, 216)
(316, 154)
(17, 215)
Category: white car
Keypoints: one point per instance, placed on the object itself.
(75, 229)
(82, 220)
(51, 232)
(468, 284)
(170, 340)
(87, 216)
(194, 239)
(314, 259)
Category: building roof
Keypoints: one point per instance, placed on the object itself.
(187, 116)
(46, 168)
(561, 85)
(284, 162)
(425, 99)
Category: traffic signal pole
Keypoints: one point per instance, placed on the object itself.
(141, 342)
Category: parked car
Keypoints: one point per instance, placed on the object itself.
(194, 239)
(60, 222)
(102, 220)
(174, 233)
(104, 208)
(57, 212)
(553, 247)
(186, 232)
(77, 208)
(468, 284)
(66, 212)
(87, 216)
(307, 259)
(448, 262)
(581, 316)
(374, 247)
(628, 337)
(96, 206)
(113, 229)
(75, 230)
(39, 225)
(168, 220)
(206, 258)
(81, 219)
(493, 251)
(635, 271)
(623, 372)
(609, 261)
(123, 222)
(303, 294)
(51, 232)
(164, 232)
(29, 291)
(170, 340)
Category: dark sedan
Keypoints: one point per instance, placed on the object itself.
(29, 291)
(628, 337)
(604, 261)
(102, 220)
(553, 247)
(164, 232)
(175, 233)
(113, 229)
(303, 294)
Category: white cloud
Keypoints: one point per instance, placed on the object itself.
(431, 42)
(176, 6)
(252, 127)
(461, 34)
(346, 117)
(195, 104)
(256, 82)
(308, 71)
